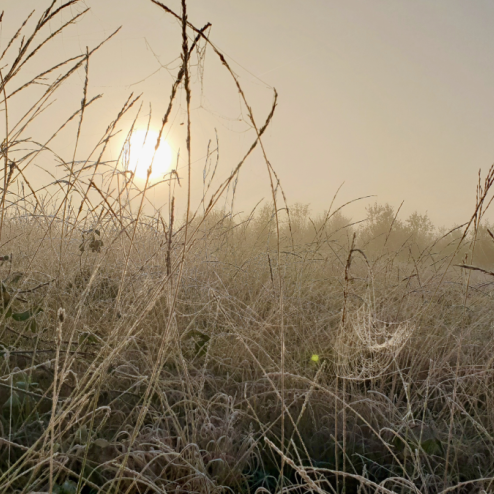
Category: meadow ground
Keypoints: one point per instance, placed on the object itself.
(373, 367)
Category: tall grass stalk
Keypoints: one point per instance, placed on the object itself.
(193, 349)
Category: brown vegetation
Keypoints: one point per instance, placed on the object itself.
(270, 353)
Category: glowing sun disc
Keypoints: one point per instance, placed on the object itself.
(141, 154)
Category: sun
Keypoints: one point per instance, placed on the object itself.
(140, 154)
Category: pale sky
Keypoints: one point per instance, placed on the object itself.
(396, 99)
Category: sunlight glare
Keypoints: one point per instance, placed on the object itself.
(140, 152)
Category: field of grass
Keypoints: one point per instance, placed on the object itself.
(207, 353)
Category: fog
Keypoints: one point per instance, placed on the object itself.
(393, 100)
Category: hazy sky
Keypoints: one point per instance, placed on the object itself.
(396, 99)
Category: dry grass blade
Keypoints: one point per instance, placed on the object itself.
(202, 350)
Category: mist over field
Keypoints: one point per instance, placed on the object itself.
(211, 282)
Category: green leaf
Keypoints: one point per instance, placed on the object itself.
(87, 337)
(81, 435)
(69, 487)
(19, 375)
(24, 316)
(202, 345)
(16, 277)
(25, 385)
(13, 402)
(101, 443)
(2, 311)
(432, 447)
(33, 326)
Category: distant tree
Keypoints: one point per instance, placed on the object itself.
(382, 227)
(299, 218)
(420, 226)
(338, 222)
(483, 255)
